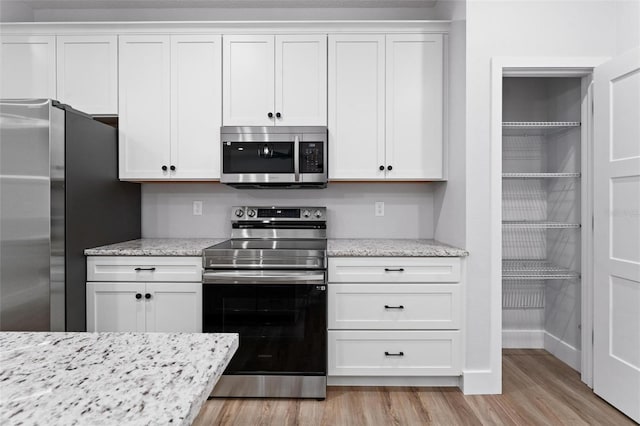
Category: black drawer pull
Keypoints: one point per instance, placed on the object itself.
(394, 307)
(147, 296)
(394, 269)
(390, 354)
(145, 269)
(138, 296)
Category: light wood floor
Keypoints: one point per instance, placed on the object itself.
(537, 390)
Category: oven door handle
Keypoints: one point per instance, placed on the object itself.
(262, 277)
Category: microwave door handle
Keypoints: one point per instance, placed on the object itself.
(296, 157)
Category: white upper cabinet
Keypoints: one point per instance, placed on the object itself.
(248, 77)
(386, 102)
(356, 106)
(274, 80)
(28, 66)
(414, 113)
(144, 105)
(301, 80)
(196, 102)
(169, 106)
(87, 73)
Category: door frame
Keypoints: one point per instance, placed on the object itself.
(583, 68)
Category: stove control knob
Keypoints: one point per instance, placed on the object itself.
(251, 213)
(306, 213)
(318, 214)
(239, 212)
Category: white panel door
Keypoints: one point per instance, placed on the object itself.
(616, 369)
(115, 307)
(356, 75)
(28, 67)
(144, 105)
(174, 307)
(301, 80)
(414, 114)
(248, 80)
(196, 106)
(88, 73)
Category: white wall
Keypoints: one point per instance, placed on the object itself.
(167, 208)
(509, 28)
(627, 25)
(450, 197)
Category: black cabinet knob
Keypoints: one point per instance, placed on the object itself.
(381, 168)
(164, 168)
(270, 115)
(147, 296)
(278, 115)
(389, 168)
(173, 168)
(138, 296)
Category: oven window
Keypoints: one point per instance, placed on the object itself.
(282, 328)
(257, 157)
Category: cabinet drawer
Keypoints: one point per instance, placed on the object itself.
(394, 353)
(394, 306)
(394, 269)
(144, 268)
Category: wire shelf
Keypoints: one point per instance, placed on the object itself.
(539, 225)
(535, 270)
(539, 175)
(536, 128)
(523, 296)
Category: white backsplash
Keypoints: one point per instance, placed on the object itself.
(167, 208)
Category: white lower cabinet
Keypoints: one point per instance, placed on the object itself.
(149, 305)
(397, 317)
(396, 353)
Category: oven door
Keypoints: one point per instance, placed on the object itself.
(281, 318)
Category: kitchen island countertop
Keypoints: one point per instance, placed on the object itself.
(389, 247)
(155, 247)
(109, 378)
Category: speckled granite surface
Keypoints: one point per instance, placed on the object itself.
(109, 378)
(391, 248)
(155, 247)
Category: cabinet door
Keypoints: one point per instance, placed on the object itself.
(88, 73)
(174, 307)
(301, 80)
(115, 307)
(144, 105)
(28, 67)
(248, 80)
(196, 102)
(356, 107)
(414, 118)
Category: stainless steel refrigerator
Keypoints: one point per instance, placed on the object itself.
(59, 194)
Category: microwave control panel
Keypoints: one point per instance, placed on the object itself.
(311, 157)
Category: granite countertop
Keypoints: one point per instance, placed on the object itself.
(156, 247)
(385, 247)
(109, 378)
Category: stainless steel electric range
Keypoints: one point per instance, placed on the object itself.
(269, 284)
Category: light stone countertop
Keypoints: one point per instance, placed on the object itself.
(156, 247)
(336, 247)
(385, 247)
(109, 378)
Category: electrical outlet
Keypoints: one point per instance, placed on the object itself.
(379, 209)
(197, 208)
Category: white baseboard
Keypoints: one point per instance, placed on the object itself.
(563, 351)
(481, 382)
(523, 339)
(442, 381)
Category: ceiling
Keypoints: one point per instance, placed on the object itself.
(142, 4)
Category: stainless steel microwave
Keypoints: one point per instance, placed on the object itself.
(274, 157)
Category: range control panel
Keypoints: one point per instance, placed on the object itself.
(239, 213)
(311, 156)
